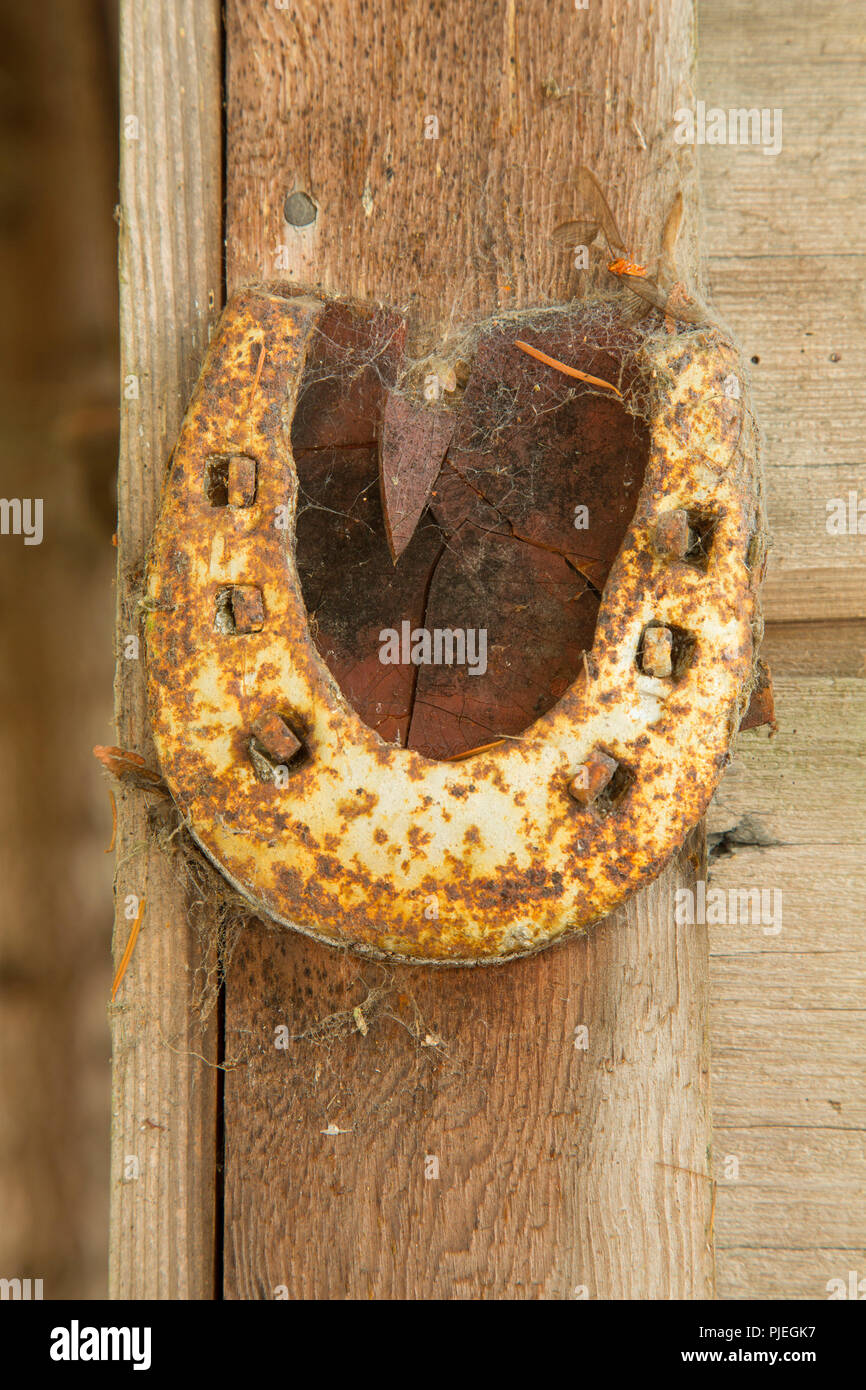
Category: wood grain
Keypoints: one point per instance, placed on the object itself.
(333, 102)
(787, 269)
(803, 319)
(164, 1093)
(815, 595)
(562, 1172)
(481, 1072)
(820, 649)
(788, 1021)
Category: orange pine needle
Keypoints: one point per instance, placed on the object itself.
(130, 947)
(569, 371)
(113, 821)
(470, 752)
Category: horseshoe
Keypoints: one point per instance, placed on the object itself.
(329, 830)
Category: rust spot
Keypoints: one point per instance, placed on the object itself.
(762, 709)
(363, 804)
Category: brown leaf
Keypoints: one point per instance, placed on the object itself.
(537, 446)
(762, 708)
(496, 547)
(413, 443)
(354, 359)
(129, 767)
(352, 588)
(538, 617)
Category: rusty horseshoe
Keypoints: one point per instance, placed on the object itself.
(329, 830)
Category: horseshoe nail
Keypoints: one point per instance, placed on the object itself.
(657, 651)
(592, 777)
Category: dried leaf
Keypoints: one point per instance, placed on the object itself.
(536, 447)
(762, 709)
(129, 767)
(413, 443)
(497, 547)
(537, 616)
(354, 359)
(352, 588)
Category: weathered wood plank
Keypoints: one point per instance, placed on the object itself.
(558, 1168)
(164, 1094)
(788, 1017)
(470, 210)
(752, 36)
(815, 595)
(517, 1117)
(818, 750)
(808, 61)
(774, 1181)
(787, 270)
(805, 503)
(836, 648)
(796, 316)
(795, 869)
(804, 1274)
(802, 318)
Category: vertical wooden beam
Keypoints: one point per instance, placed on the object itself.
(562, 1172)
(58, 420)
(164, 1092)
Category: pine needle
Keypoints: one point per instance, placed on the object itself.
(130, 947)
(569, 371)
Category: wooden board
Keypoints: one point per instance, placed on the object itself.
(561, 1172)
(788, 1018)
(819, 649)
(787, 1022)
(163, 1189)
(787, 269)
